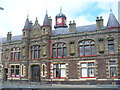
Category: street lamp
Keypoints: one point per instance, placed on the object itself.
(1, 8)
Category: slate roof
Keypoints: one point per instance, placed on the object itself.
(27, 25)
(14, 38)
(78, 29)
(112, 21)
(46, 20)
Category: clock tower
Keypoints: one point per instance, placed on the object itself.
(60, 20)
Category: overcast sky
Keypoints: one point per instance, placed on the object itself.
(84, 12)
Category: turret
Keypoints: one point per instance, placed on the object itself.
(46, 27)
(60, 20)
(27, 28)
(112, 21)
(46, 34)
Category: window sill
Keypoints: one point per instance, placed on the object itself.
(15, 76)
(36, 59)
(87, 77)
(59, 57)
(113, 77)
(87, 56)
(111, 54)
(15, 60)
(59, 77)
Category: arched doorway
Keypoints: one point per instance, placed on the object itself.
(35, 73)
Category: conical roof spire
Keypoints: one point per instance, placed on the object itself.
(27, 24)
(46, 20)
(112, 21)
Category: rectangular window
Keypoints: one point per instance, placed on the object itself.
(56, 71)
(19, 55)
(91, 72)
(93, 50)
(59, 52)
(59, 71)
(81, 51)
(39, 54)
(63, 72)
(15, 70)
(87, 70)
(87, 50)
(16, 56)
(113, 69)
(64, 52)
(54, 53)
(12, 56)
(36, 54)
(111, 49)
(84, 72)
(32, 52)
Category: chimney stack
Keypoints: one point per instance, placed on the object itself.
(72, 26)
(9, 36)
(99, 22)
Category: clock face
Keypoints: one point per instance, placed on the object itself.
(59, 20)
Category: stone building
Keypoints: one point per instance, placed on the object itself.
(69, 54)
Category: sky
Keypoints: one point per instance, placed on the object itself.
(84, 12)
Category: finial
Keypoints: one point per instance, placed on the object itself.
(36, 18)
(28, 14)
(60, 9)
(46, 7)
(110, 8)
(46, 11)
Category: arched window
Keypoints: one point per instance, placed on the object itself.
(87, 48)
(111, 49)
(15, 54)
(35, 52)
(59, 50)
(44, 70)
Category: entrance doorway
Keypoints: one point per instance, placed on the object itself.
(6, 74)
(35, 71)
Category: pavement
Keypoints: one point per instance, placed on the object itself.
(35, 86)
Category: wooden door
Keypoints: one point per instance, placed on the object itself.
(35, 73)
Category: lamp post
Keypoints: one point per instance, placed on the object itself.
(1, 8)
